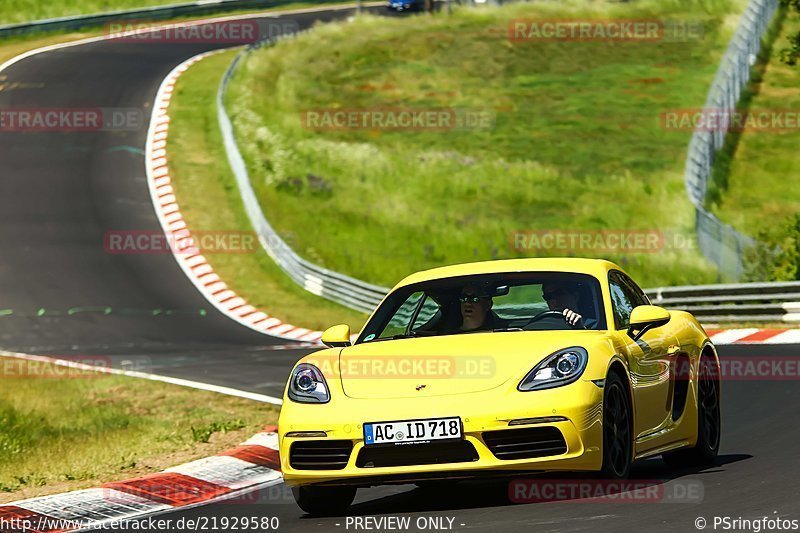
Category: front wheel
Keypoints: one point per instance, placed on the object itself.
(617, 429)
(324, 501)
(709, 423)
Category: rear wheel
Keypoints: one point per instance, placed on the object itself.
(617, 429)
(709, 422)
(324, 501)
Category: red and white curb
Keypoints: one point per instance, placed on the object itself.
(253, 465)
(194, 264)
(754, 336)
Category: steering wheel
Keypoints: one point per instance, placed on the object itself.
(548, 314)
(551, 315)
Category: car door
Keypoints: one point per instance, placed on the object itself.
(648, 358)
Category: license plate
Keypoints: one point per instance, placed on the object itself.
(413, 431)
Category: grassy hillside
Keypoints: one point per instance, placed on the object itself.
(577, 144)
(210, 201)
(768, 158)
(15, 11)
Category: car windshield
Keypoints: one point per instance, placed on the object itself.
(488, 302)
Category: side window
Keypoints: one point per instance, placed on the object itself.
(427, 313)
(640, 298)
(398, 324)
(623, 299)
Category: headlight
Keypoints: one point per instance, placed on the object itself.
(560, 368)
(307, 385)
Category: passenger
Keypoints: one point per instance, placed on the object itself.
(476, 310)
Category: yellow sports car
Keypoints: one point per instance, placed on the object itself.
(500, 367)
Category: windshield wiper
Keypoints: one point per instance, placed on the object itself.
(500, 330)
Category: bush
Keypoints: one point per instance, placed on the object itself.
(791, 55)
(776, 257)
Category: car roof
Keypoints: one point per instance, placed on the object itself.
(595, 267)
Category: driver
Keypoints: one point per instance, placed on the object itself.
(563, 297)
(476, 310)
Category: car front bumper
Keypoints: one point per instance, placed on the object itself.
(578, 405)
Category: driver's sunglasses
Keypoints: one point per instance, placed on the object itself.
(472, 299)
(553, 294)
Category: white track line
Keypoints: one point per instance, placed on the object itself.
(144, 375)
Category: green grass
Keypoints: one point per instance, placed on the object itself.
(768, 159)
(210, 201)
(65, 433)
(577, 144)
(16, 11)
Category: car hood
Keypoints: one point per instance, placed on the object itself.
(451, 364)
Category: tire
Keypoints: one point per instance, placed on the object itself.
(709, 422)
(324, 501)
(617, 429)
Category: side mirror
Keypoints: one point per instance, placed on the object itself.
(646, 317)
(337, 336)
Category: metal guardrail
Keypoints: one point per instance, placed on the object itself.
(342, 289)
(720, 243)
(740, 302)
(201, 7)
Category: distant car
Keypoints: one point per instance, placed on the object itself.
(417, 398)
(405, 5)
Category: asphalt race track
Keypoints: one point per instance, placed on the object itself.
(61, 192)
(59, 195)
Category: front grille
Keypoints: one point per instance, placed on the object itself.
(526, 443)
(417, 454)
(320, 454)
